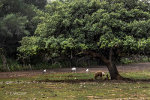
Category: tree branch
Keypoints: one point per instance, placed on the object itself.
(110, 54)
(96, 55)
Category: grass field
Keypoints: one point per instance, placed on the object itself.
(75, 86)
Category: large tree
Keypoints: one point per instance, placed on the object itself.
(15, 22)
(12, 28)
(98, 28)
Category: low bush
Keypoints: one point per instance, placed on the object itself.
(134, 59)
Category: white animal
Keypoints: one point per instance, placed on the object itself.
(87, 70)
(73, 69)
(44, 71)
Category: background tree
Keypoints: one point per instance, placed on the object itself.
(12, 28)
(39, 3)
(16, 22)
(98, 28)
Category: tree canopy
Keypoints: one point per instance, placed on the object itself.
(99, 28)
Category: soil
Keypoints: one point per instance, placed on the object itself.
(121, 68)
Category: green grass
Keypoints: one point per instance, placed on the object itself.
(31, 89)
(66, 76)
(137, 75)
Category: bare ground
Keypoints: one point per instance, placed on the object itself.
(122, 68)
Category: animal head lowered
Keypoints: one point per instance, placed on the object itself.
(99, 75)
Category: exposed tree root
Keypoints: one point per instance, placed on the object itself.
(119, 77)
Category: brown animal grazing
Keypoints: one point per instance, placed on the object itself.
(99, 75)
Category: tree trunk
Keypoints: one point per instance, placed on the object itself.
(4, 61)
(114, 74)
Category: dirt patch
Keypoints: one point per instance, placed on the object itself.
(73, 81)
(121, 68)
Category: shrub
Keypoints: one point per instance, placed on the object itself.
(134, 59)
(126, 61)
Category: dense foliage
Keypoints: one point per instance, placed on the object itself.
(90, 25)
(16, 22)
